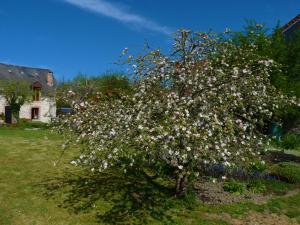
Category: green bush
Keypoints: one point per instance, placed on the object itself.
(256, 186)
(287, 171)
(234, 187)
(290, 141)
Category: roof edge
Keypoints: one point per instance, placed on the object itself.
(291, 23)
(26, 67)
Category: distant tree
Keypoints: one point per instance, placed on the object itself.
(86, 87)
(285, 50)
(112, 83)
(275, 45)
(16, 93)
(291, 58)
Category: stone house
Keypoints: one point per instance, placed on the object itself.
(42, 107)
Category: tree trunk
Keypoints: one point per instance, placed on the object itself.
(15, 117)
(180, 185)
(15, 112)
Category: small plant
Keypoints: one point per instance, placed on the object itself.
(287, 171)
(234, 187)
(258, 166)
(256, 186)
(189, 199)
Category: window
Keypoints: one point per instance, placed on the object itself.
(36, 87)
(36, 94)
(35, 113)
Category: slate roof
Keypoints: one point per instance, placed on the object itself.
(289, 28)
(28, 74)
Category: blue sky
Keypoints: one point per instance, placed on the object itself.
(87, 36)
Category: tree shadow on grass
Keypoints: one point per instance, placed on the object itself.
(277, 156)
(124, 199)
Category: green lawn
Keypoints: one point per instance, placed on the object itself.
(26, 162)
(35, 192)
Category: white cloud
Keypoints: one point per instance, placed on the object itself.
(114, 11)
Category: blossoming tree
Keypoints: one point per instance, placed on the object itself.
(198, 107)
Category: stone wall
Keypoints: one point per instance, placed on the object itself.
(47, 109)
(2, 104)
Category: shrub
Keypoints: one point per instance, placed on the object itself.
(256, 186)
(234, 187)
(287, 171)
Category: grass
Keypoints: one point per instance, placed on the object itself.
(278, 188)
(276, 146)
(35, 192)
(27, 160)
(295, 152)
(287, 171)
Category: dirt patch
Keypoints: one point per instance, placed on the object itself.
(254, 218)
(213, 193)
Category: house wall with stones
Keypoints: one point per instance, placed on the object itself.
(42, 106)
(47, 109)
(2, 104)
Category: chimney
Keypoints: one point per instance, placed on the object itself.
(50, 79)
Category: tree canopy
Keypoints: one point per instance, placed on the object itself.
(16, 93)
(87, 87)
